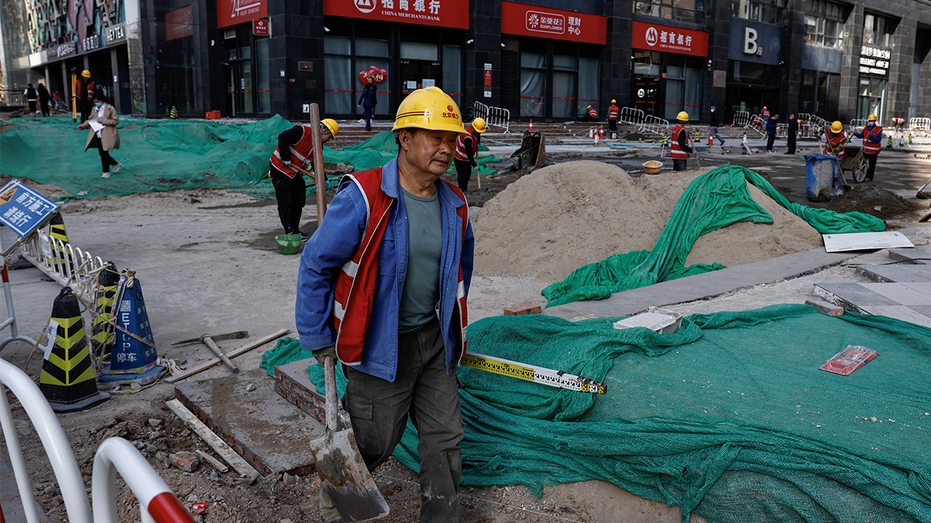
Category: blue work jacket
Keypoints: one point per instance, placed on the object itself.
(336, 241)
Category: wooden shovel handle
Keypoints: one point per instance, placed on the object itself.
(329, 375)
(220, 354)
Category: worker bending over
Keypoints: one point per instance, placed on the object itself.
(467, 150)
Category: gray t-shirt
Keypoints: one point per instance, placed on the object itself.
(425, 246)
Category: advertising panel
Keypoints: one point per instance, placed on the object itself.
(667, 39)
(440, 13)
(557, 24)
(754, 42)
(232, 12)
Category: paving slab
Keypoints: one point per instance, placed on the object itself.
(896, 273)
(259, 425)
(915, 255)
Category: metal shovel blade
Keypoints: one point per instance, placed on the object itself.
(345, 478)
(343, 474)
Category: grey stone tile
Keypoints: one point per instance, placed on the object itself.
(899, 293)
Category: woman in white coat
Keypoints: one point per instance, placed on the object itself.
(103, 135)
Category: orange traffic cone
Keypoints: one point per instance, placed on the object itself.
(596, 138)
(591, 131)
(710, 140)
(531, 125)
(601, 132)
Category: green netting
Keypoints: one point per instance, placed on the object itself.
(714, 200)
(729, 417)
(163, 155)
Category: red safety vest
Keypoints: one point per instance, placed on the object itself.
(869, 146)
(355, 283)
(90, 89)
(676, 153)
(79, 90)
(612, 112)
(592, 112)
(765, 113)
(461, 151)
(835, 141)
(302, 154)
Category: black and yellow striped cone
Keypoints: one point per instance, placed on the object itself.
(102, 331)
(57, 231)
(174, 113)
(68, 380)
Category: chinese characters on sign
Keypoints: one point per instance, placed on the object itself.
(526, 20)
(669, 39)
(22, 209)
(231, 12)
(441, 13)
(874, 60)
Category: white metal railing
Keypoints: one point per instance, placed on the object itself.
(856, 122)
(494, 116)
(632, 116)
(157, 503)
(757, 124)
(654, 124)
(923, 124)
(68, 265)
(741, 118)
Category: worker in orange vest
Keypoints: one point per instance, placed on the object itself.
(872, 136)
(467, 152)
(679, 146)
(592, 114)
(613, 111)
(837, 140)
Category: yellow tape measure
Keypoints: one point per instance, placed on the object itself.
(523, 371)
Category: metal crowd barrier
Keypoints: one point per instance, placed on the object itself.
(632, 116)
(741, 118)
(857, 122)
(63, 262)
(156, 501)
(494, 116)
(923, 124)
(654, 124)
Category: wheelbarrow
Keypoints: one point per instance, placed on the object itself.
(855, 162)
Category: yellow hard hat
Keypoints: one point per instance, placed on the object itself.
(479, 125)
(871, 118)
(429, 108)
(682, 116)
(331, 126)
(837, 127)
(86, 74)
(613, 101)
(764, 107)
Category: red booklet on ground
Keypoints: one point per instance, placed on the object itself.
(848, 360)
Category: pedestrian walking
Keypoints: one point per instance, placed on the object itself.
(32, 98)
(397, 320)
(679, 148)
(713, 125)
(772, 125)
(44, 98)
(467, 152)
(368, 101)
(103, 135)
(295, 153)
(872, 136)
(792, 135)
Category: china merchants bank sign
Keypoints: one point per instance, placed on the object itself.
(440, 13)
(655, 37)
(232, 12)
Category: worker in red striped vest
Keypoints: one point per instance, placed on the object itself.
(296, 151)
(613, 111)
(591, 114)
(837, 140)
(679, 146)
(382, 287)
(872, 136)
(467, 151)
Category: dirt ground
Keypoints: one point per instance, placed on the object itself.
(208, 263)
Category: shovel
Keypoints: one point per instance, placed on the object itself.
(208, 340)
(343, 474)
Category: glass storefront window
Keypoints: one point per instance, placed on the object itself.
(589, 80)
(647, 63)
(452, 73)
(871, 99)
(824, 23)
(682, 10)
(532, 84)
(263, 90)
(342, 66)
(875, 30)
(418, 51)
(820, 93)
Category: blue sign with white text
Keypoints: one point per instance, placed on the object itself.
(22, 209)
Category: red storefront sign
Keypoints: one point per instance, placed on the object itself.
(655, 37)
(440, 13)
(487, 78)
(232, 12)
(260, 27)
(557, 24)
(179, 23)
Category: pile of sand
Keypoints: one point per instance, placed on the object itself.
(564, 216)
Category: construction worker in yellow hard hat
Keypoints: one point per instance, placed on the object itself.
(382, 286)
(467, 152)
(679, 144)
(872, 136)
(291, 160)
(837, 140)
(84, 89)
(591, 114)
(613, 112)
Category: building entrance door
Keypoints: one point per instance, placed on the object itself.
(645, 93)
(239, 87)
(416, 74)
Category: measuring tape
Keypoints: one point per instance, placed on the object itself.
(523, 371)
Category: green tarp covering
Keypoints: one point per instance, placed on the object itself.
(729, 417)
(714, 200)
(163, 155)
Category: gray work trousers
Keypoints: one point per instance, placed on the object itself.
(425, 392)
